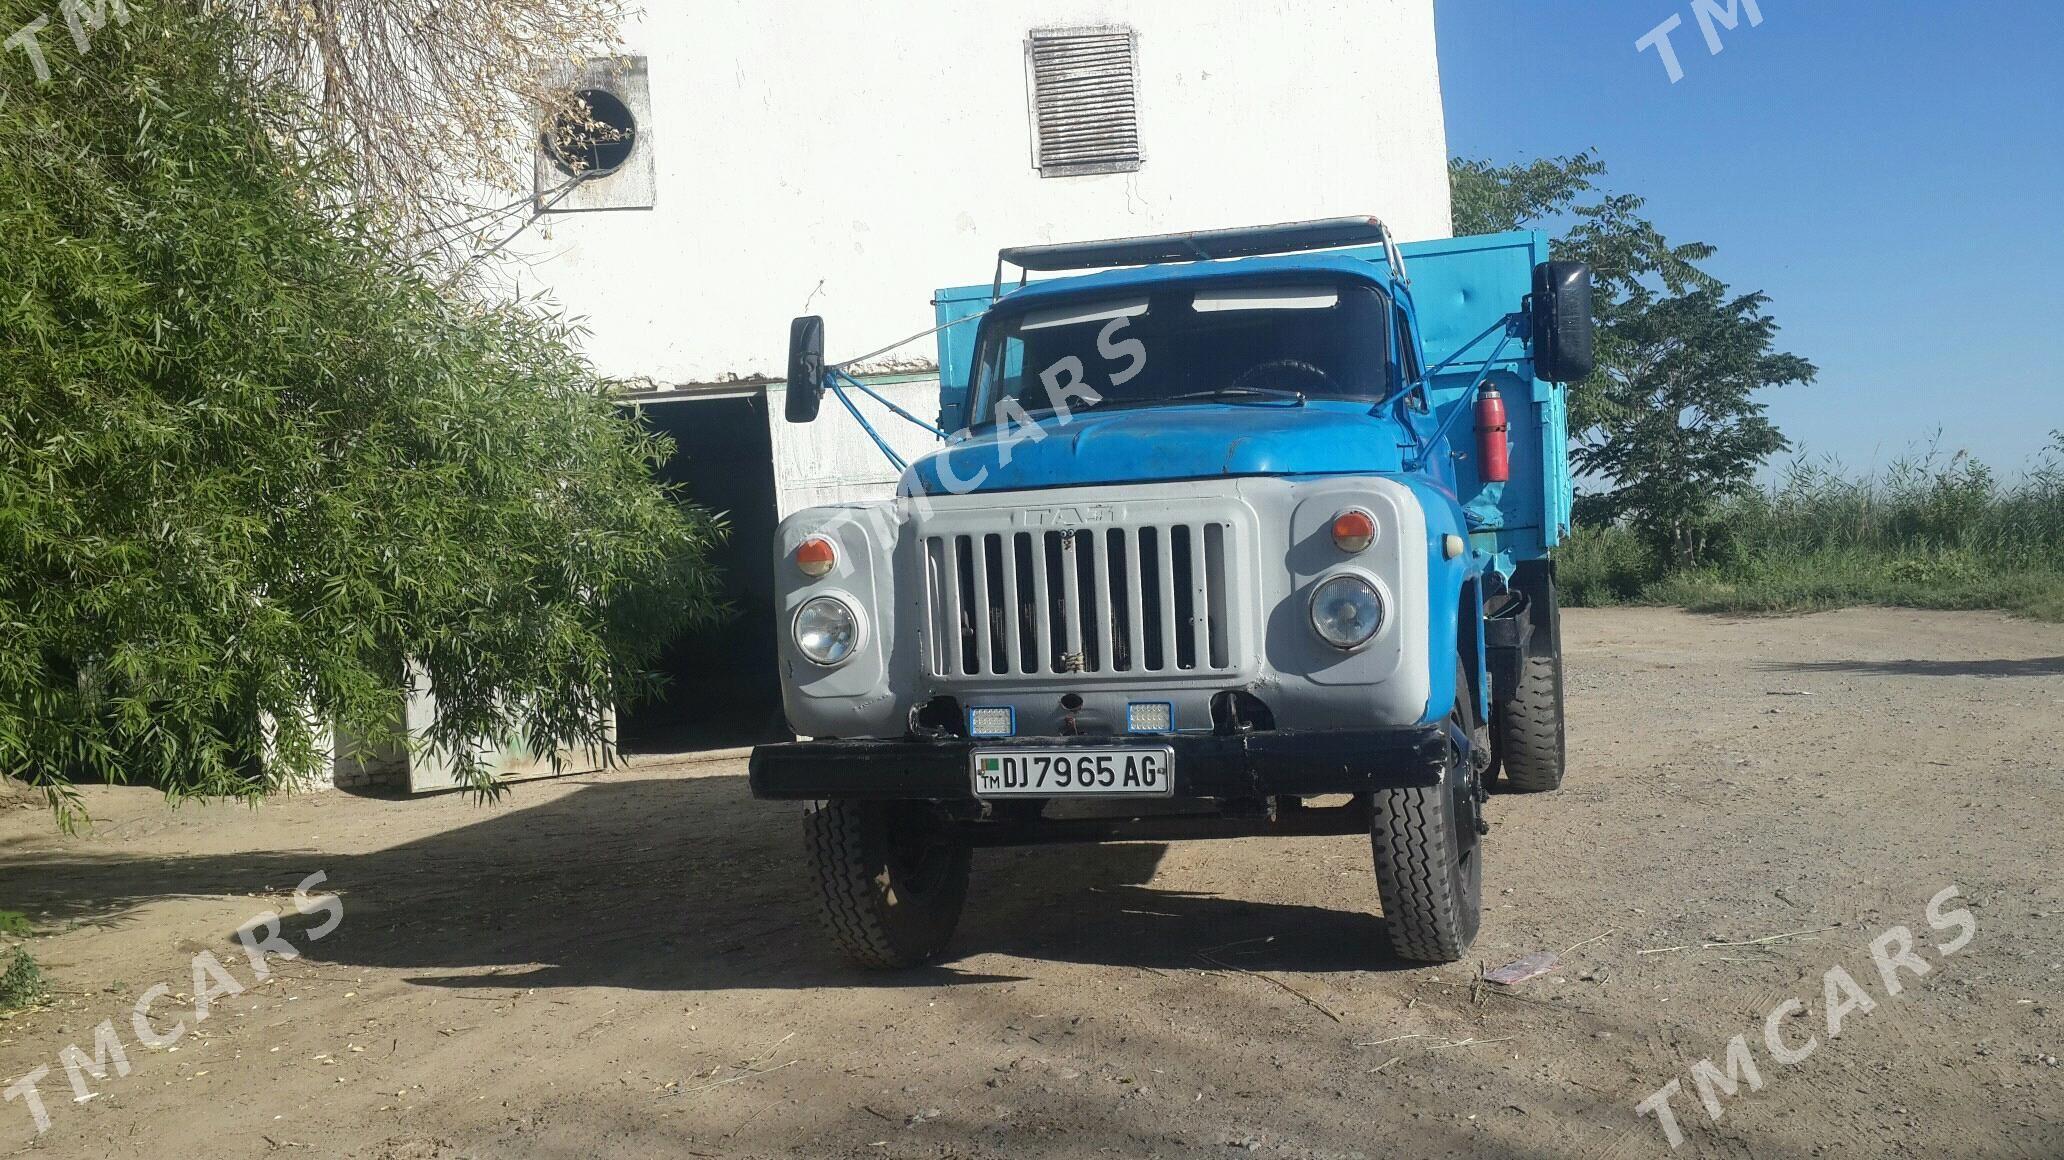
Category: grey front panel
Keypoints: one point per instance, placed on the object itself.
(1108, 596)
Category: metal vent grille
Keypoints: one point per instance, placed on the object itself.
(1085, 100)
(1108, 602)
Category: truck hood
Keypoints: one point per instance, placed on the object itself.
(1187, 441)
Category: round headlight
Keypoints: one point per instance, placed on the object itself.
(1346, 611)
(826, 631)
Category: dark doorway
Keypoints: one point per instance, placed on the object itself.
(723, 687)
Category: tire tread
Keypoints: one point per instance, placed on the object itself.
(854, 911)
(1530, 728)
(1427, 920)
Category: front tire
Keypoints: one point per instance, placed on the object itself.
(892, 890)
(1429, 863)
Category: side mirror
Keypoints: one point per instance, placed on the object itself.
(805, 368)
(1562, 322)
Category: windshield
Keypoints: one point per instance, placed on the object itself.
(1269, 342)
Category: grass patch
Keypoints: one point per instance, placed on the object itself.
(1931, 532)
(1848, 579)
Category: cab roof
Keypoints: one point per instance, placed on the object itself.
(1159, 259)
(1205, 245)
(1349, 264)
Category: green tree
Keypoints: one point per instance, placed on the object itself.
(1669, 421)
(1630, 259)
(253, 465)
(1490, 199)
(1681, 427)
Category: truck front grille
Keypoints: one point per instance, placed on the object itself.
(1107, 601)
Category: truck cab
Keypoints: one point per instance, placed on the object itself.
(1227, 540)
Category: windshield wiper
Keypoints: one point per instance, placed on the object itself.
(1294, 398)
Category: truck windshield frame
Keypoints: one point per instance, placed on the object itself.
(1265, 340)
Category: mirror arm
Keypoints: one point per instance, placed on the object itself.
(831, 383)
(833, 376)
(1424, 383)
(1507, 323)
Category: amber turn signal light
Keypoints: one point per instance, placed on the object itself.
(815, 556)
(1354, 531)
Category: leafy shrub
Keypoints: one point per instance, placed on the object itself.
(22, 983)
(1604, 565)
(253, 463)
(1954, 567)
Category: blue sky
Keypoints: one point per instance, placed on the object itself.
(1891, 174)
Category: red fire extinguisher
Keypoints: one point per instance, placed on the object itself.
(1493, 458)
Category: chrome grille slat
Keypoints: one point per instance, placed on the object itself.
(984, 614)
(1064, 545)
(1108, 644)
(946, 582)
(1129, 599)
(1164, 545)
(1042, 608)
(1218, 608)
(1125, 636)
(1146, 584)
(1013, 617)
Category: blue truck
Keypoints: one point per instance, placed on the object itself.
(1246, 532)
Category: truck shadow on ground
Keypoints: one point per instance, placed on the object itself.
(2028, 667)
(673, 884)
(670, 883)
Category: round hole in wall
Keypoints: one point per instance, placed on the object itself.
(592, 137)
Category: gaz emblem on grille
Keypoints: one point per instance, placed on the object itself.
(1066, 517)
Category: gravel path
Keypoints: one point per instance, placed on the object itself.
(627, 965)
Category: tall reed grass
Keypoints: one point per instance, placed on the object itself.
(1932, 530)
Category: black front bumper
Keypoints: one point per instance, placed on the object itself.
(1248, 765)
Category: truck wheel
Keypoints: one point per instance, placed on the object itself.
(1530, 731)
(892, 891)
(1429, 864)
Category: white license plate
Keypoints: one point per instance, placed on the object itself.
(1074, 772)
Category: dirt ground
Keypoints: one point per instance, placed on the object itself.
(628, 964)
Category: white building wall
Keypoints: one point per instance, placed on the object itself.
(832, 461)
(847, 158)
